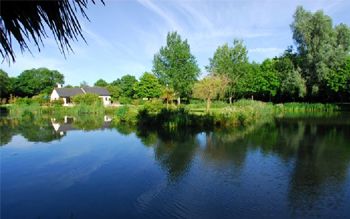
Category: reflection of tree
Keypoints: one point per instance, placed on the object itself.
(8, 128)
(88, 122)
(33, 128)
(175, 150)
(37, 129)
(226, 146)
(322, 161)
(124, 128)
(148, 138)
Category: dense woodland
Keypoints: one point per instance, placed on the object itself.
(317, 69)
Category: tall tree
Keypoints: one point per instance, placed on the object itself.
(231, 61)
(321, 46)
(210, 88)
(175, 66)
(101, 83)
(127, 84)
(292, 84)
(34, 81)
(5, 84)
(148, 87)
(266, 79)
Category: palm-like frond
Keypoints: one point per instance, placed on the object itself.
(24, 21)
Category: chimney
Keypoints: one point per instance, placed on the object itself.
(59, 85)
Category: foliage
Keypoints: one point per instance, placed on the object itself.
(322, 48)
(101, 83)
(154, 106)
(114, 91)
(5, 84)
(231, 62)
(148, 87)
(57, 103)
(307, 107)
(266, 79)
(27, 21)
(35, 81)
(125, 100)
(126, 114)
(175, 66)
(41, 99)
(87, 99)
(210, 88)
(127, 84)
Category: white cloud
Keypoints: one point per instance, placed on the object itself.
(166, 15)
(266, 50)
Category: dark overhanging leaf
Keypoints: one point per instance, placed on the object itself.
(24, 21)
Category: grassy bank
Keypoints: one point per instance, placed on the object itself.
(155, 114)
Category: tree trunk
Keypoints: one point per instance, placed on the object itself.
(167, 103)
(208, 105)
(230, 99)
(178, 101)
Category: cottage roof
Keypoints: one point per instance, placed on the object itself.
(68, 92)
(101, 91)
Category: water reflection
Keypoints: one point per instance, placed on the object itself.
(302, 164)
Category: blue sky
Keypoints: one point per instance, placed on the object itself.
(123, 36)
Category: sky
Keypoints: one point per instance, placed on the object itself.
(123, 36)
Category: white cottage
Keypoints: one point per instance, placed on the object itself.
(67, 93)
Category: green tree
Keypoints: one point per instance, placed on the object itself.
(115, 91)
(293, 85)
(321, 47)
(231, 61)
(210, 88)
(175, 66)
(266, 79)
(36, 81)
(148, 87)
(127, 84)
(5, 84)
(101, 83)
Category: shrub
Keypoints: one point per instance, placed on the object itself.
(88, 99)
(125, 100)
(56, 103)
(126, 114)
(154, 105)
(41, 99)
(23, 101)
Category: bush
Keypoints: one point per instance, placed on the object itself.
(23, 101)
(126, 114)
(154, 105)
(88, 99)
(41, 99)
(125, 100)
(56, 103)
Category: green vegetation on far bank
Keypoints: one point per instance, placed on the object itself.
(156, 114)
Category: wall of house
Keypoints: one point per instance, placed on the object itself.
(54, 95)
(106, 100)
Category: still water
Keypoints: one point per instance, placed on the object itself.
(295, 167)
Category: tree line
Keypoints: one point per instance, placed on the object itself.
(316, 70)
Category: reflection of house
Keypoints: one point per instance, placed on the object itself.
(68, 122)
(67, 93)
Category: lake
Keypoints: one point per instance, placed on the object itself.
(290, 167)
